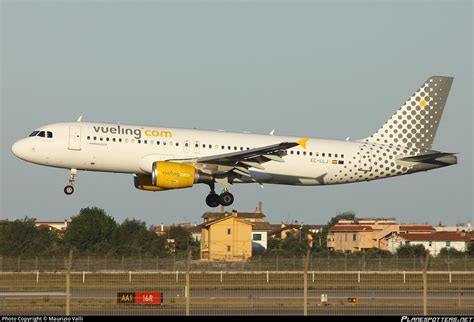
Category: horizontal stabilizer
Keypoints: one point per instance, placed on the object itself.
(426, 157)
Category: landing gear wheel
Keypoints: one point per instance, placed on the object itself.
(227, 199)
(69, 190)
(213, 200)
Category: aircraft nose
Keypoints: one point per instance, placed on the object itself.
(19, 149)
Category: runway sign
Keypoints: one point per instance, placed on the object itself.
(139, 297)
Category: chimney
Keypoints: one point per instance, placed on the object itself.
(222, 209)
(259, 207)
(162, 227)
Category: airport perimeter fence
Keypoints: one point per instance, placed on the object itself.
(195, 290)
(255, 264)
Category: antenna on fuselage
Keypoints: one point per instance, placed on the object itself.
(79, 119)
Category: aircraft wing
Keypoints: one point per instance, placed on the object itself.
(239, 162)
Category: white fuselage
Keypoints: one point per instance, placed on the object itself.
(132, 149)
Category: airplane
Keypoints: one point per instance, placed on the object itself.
(161, 158)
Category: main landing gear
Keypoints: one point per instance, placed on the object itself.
(213, 199)
(69, 189)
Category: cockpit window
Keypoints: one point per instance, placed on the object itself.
(34, 133)
(49, 134)
(42, 134)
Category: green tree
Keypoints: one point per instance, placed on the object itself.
(133, 238)
(411, 250)
(450, 252)
(22, 237)
(470, 249)
(376, 252)
(91, 231)
(350, 215)
(182, 238)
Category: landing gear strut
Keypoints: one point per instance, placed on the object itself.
(213, 199)
(69, 189)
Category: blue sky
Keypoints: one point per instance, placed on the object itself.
(327, 69)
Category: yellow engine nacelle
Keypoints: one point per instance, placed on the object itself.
(144, 183)
(172, 175)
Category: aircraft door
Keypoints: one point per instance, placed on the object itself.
(365, 161)
(74, 137)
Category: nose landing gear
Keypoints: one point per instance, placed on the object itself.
(69, 189)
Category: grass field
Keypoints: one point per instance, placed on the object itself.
(54, 282)
(95, 293)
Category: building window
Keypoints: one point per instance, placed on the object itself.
(228, 248)
(228, 231)
(354, 237)
(430, 243)
(407, 242)
(257, 237)
(448, 243)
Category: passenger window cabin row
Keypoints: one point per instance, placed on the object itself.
(205, 146)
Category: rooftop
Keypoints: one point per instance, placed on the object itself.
(435, 237)
(209, 215)
(416, 228)
(351, 228)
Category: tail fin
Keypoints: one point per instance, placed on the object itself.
(414, 125)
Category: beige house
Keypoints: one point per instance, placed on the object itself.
(228, 238)
(362, 234)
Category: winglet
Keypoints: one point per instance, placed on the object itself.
(303, 142)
